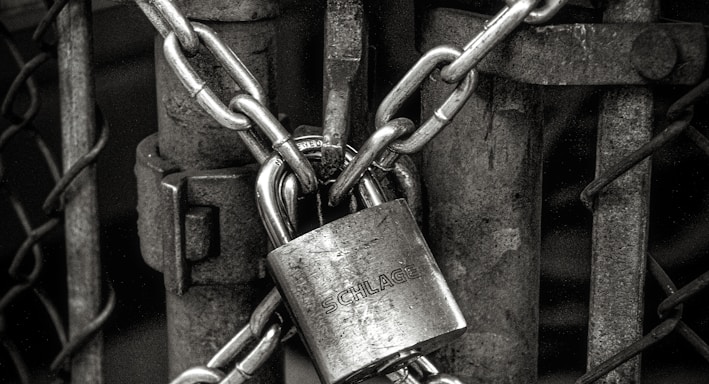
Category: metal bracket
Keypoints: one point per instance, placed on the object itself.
(192, 223)
(581, 54)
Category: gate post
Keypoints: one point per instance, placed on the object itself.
(482, 175)
(77, 99)
(213, 232)
(620, 217)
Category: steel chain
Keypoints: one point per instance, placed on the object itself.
(385, 145)
(368, 153)
(496, 30)
(412, 81)
(166, 18)
(543, 13)
(456, 67)
(183, 38)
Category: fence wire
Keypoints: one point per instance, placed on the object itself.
(26, 266)
(670, 310)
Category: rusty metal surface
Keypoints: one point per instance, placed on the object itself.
(581, 54)
(670, 311)
(671, 321)
(199, 327)
(149, 170)
(78, 120)
(620, 232)
(631, 11)
(240, 241)
(229, 10)
(187, 135)
(199, 230)
(484, 206)
(495, 3)
(620, 217)
(178, 208)
(344, 80)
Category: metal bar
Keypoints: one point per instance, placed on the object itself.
(484, 226)
(344, 79)
(604, 54)
(76, 92)
(620, 218)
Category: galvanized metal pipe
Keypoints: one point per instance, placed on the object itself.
(620, 218)
(483, 177)
(76, 93)
(205, 317)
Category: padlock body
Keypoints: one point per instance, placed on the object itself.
(363, 290)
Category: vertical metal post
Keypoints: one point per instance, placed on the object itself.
(620, 218)
(483, 178)
(76, 89)
(205, 317)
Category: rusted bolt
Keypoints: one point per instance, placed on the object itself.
(199, 230)
(653, 54)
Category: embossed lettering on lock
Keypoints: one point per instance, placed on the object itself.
(364, 291)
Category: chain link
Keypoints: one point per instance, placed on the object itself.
(281, 139)
(196, 375)
(543, 13)
(411, 81)
(496, 30)
(167, 18)
(183, 38)
(458, 67)
(199, 90)
(368, 153)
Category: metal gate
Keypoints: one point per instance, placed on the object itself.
(547, 253)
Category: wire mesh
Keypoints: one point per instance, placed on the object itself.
(670, 310)
(26, 266)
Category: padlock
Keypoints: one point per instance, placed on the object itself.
(364, 291)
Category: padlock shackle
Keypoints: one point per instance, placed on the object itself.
(271, 176)
(267, 200)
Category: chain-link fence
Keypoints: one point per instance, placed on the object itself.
(679, 121)
(25, 291)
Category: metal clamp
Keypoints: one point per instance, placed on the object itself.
(187, 218)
